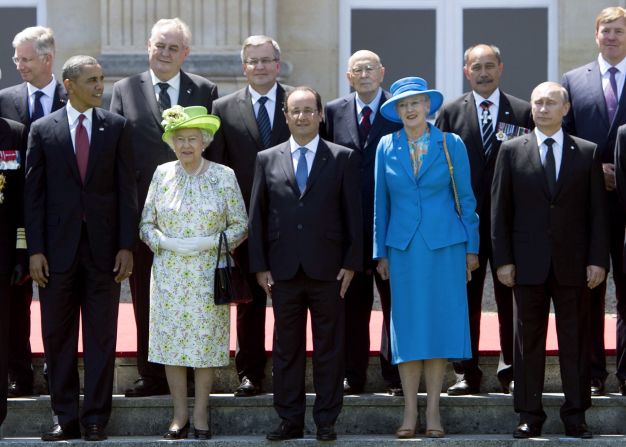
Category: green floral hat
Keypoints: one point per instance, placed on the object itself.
(193, 117)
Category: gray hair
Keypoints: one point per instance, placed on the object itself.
(495, 49)
(41, 37)
(180, 26)
(74, 66)
(255, 41)
(207, 138)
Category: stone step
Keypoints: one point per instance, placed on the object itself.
(350, 440)
(366, 414)
(226, 378)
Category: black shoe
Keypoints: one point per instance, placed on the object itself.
(597, 387)
(247, 388)
(285, 431)
(463, 388)
(201, 434)
(525, 431)
(17, 389)
(349, 388)
(578, 431)
(95, 432)
(58, 433)
(144, 387)
(326, 433)
(622, 387)
(179, 433)
(395, 389)
(506, 386)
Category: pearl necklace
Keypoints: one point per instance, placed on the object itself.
(198, 170)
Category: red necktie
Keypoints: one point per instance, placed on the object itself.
(365, 125)
(81, 144)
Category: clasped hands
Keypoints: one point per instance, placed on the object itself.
(189, 246)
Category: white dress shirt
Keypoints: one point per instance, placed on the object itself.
(46, 98)
(173, 90)
(72, 119)
(310, 154)
(493, 109)
(270, 104)
(557, 148)
(606, 76)
(372, 105)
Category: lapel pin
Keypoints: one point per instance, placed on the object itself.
(189, 91)
(101, 129)
(506, 112)
(572, 147)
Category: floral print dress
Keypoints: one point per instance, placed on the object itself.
(186, 327)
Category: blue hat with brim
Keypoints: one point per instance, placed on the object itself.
(405, 87)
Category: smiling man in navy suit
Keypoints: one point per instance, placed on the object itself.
(39, 94)
(81, 225)
(598, 108)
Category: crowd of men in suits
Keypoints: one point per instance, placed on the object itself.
(551, 204)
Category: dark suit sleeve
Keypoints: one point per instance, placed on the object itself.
(126, 190)
(216, 151)
(569, 125)
(22, 140)
(620, 164)
(35, 193)
(326, 129)
(502, 209)
(117, 105)
(442, 120)
(599, 239)
(353, 214)
(257, 242)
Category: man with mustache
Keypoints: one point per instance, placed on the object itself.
(477, 117)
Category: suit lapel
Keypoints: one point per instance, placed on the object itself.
(62, 132)
(470, 112)
(280, 123)
(321, 157)
(60, 97)
(148, 92)
(244, 104)
(21, 104)
(534, 160)
(401, 149)
(349, 117)
(568, 155)
(435, 146)
(286, 165)
(98, 128)
(186, 91)
(596, 94)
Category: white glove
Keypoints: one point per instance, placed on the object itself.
(202, 243)
(181, 246)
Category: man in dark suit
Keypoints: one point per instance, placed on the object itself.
(305, 241)
(353, 121)
(598, 108)
(141, 99)
(466, 117)
(250, 124)
(81, 225)
(550, 240)
(37, 96)
(13, 257)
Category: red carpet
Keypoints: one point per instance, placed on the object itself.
(489, 343)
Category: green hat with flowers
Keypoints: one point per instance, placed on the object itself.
(193, 117)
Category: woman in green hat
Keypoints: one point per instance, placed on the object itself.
(190, 201)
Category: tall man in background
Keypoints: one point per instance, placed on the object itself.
(37, 96)
(141, 99)
(598, 108)
(252, 120)
(476, 117)
(353, 121)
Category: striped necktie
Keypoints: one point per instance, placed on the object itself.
(486, 124)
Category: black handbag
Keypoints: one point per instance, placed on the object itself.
(231, 285)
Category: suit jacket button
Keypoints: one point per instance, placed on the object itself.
(300, 204)
(299, 227)
(551, 206)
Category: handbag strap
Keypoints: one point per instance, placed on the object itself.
(457, 202)
(219, 250)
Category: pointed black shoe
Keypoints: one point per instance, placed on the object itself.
(285, 431)
(179, 433)
(525, 431)
(95, 432)
(326, 433)
(59, 433)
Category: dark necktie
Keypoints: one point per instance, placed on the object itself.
(81, 145)
(610, 94)
(164, 98)
(549, 166)
(365, 125)
(302, 172)
(38, 107)
(263, 121)
(486, 126)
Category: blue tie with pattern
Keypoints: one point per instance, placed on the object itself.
(263, 121)
(38, 107)
(302, 172)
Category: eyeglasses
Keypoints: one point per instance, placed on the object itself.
(23, 60)
(359, 69)
(306, 113)
(262, 61)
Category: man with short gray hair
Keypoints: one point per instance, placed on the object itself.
(141, 99)
(37, 96)
(80, 228)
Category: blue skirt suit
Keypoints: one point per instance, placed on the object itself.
(418, 230)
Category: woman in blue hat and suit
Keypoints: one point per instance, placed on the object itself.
(426, 242)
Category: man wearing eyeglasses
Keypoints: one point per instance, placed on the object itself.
(353, 121)
(141, 99)
(305, 240)
(252, 120)
(37, 96)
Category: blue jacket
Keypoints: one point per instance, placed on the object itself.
(404, 204)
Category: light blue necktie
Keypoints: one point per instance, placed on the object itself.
(302, 172)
